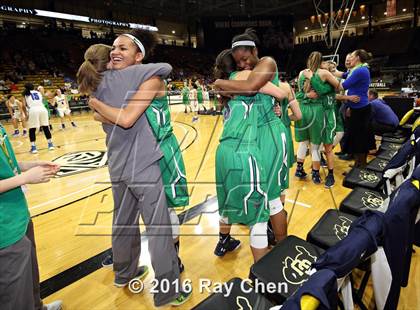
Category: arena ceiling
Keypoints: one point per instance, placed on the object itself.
(183, 10)
(197, 8)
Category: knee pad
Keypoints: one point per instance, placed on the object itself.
(275, 206)
(174, 223)
(338, 136)
(302, 149)
(315, 152)
(258, 236)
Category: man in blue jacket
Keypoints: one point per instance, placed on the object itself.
(383, 118)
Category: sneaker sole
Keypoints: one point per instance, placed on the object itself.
(136, 278)
(329, 186)
(108, 266)
(181, 303)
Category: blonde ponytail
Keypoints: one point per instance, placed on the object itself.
(89, 75)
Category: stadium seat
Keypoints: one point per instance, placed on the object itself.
(358, 177)
(362, 199)
(390, 146)
(288, 263)
(332, 227)
(242, 296)
(386, 154)
(377, 165)
(394, 138)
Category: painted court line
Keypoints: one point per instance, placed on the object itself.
(299, 203)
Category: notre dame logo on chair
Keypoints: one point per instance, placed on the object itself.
(78, 162)
(296, 269)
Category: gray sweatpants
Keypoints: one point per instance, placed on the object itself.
(19, 275)
(145, 197)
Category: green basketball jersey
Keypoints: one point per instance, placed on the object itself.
(240, 120)
(325, 91)
(185, 94)
(300, 95)
(14, 214)
(200, 94)
(171, 164)
(159, 117)
(284, 104)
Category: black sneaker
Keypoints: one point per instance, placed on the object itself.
(329, 180)
(323, 161)
(141, 274)
(108, 261)
(300, 173)
(73, 124)
(228, 245)
(63, 126)
(316, 178)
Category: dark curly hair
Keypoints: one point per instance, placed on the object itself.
(249, 35)
(224, 65)
(149, 39)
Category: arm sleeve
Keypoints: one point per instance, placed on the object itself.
(357, 75)
(345, 75)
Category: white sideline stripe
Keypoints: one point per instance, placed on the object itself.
(299, 203)
(60, 198)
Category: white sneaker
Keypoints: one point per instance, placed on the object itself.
(55, 305)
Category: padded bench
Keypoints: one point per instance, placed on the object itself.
(242, 296)
(288, 263)
(362, 199)
(377, 165)
(358, 177)
(332, 227)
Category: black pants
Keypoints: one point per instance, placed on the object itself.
(360, 134)
(379, 129)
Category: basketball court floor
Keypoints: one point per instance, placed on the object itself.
(72, 215)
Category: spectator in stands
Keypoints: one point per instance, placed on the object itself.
(383, 118)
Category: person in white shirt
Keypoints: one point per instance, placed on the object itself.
(37, 116)
(17, 114)
(63, 108)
